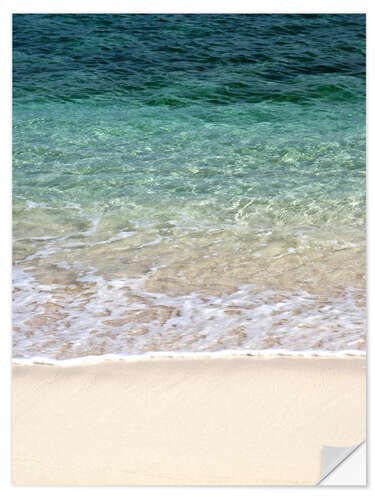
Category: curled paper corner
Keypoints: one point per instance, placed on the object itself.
(334, 457)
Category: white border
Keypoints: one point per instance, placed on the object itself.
(189, 6)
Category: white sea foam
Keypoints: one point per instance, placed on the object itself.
(225, 354)
(119, 317)
(85, 312)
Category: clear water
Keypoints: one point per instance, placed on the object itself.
(188, 183)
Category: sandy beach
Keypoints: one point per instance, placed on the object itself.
(189, 294)
(240, 420)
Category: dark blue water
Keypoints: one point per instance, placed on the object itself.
(197, 154)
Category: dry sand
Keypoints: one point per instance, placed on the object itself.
(184, 421)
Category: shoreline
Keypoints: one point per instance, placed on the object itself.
(229, 420)
(223, 354)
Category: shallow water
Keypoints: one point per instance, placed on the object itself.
(188, 183)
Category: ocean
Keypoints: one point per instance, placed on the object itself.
(188, 183)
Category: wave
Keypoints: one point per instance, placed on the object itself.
(264, 353)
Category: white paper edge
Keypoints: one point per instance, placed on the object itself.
(343, 465)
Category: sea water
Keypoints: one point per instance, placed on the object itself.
(188, 183)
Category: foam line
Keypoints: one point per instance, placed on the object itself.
(267, 353)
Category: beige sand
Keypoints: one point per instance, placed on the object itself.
(211, 421)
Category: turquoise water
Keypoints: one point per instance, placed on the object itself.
(168, 169)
